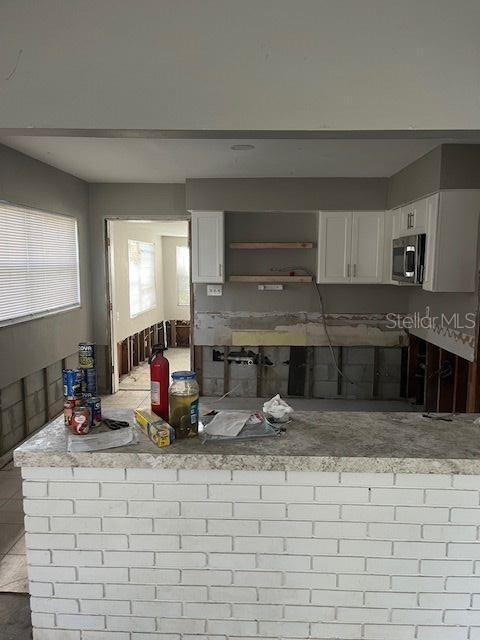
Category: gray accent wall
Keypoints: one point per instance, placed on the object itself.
(286, 194)
(27, 347)
(418, 179)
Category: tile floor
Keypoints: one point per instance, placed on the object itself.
(13, 564)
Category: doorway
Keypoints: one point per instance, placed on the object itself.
(150, 302)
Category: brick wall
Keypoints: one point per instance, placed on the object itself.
(142, 554)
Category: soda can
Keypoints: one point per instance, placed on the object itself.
(68, 406)
(86, 355)
(89, 382)
(95, 405)
(80, 423)
(72, 383)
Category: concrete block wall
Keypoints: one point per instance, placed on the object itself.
(145, 554)
(26, 405)
(357, 363)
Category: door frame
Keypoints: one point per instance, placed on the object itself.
(113, 378)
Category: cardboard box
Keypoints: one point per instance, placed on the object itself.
(156, 429)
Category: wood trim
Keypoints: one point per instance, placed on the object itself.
(281, 279)
(271, 245)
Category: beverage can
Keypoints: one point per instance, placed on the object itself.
(72, 383)
(80, 423)
(68, 406)
(89, 382)
(94, 403)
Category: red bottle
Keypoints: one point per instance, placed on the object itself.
(159, 381)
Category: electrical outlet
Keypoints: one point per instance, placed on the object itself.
(214, 289)
(270, 287)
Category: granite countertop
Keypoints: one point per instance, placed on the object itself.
(314, 441)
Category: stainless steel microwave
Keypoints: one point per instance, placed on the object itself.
(408, 260)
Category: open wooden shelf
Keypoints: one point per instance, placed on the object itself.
(280, 279)
(271, 245)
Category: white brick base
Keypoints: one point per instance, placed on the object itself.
(140, 554)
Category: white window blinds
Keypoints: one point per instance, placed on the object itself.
(39, 271)
(141, 276)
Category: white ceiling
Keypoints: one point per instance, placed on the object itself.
(156, 160)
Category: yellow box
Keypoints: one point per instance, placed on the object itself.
(156, 429)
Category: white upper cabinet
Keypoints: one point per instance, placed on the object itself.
(351, 246)
(413, 218)
(367, 246)
(208, 246)
(334, 246)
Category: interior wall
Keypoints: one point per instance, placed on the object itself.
(124, 325)
(122, 202)
(29, 346)
(172, 310)
(313, 65)
(286, 194)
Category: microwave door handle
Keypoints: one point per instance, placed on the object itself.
(407, 272)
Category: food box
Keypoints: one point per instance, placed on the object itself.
(156, 429)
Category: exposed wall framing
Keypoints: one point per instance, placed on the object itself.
(138, 347)
(31, 402)
(439, 380)
(309, 372)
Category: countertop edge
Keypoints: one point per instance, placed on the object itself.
(248, 462)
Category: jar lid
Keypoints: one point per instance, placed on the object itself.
(183, 375)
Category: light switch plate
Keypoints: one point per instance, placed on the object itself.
(214, 289)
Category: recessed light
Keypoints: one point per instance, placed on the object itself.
(242, 147)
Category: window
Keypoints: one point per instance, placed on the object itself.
(141, 276)
(183, 277)
(39, 272)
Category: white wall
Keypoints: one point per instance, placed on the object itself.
(257, 64)
(172, 310)
(124, 325)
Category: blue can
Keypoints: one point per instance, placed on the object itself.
(89, 382)
(95, 405)
(72, 383)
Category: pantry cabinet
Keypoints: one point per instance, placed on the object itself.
(452, 219)
(351, 247)
(208, 246)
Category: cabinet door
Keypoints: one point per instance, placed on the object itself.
(413, 218)
(208, 246)
(334, 246)
(367, 246)
(431, 241)
(397, 223)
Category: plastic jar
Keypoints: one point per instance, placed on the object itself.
(183, 403)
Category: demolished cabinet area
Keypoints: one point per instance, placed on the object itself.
(306, 372)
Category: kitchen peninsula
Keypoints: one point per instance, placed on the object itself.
(347, 523)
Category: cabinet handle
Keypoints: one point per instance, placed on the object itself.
(219, 268)
(355, 270)
(348, 270)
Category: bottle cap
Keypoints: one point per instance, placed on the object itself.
(183, 375)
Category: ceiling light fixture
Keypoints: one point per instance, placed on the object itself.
(242, 147)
